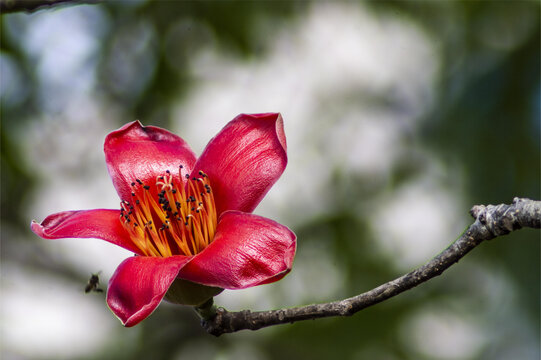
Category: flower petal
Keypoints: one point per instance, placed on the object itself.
(139, 284)
(99, 223)
(144, 152)
(247, 250)
(244, 160)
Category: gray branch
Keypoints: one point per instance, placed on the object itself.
(11, 6)
(490, 221)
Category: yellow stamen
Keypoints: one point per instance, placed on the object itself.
(178, 219)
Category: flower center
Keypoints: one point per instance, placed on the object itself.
(180, 220)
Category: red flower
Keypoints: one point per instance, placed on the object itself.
(187, 219)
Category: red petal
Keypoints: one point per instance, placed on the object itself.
(247, 250)
(244, 160)
(99, 223)
(139, 284)
(144, 152)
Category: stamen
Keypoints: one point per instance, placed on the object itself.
(178, 219)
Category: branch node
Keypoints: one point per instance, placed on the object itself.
(476, 210)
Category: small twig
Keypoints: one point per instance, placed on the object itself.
(11, 6)
(490, 221)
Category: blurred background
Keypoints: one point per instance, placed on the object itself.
(399, 117)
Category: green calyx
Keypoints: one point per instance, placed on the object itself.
(185, 292)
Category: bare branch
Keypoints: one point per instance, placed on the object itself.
(11, 6)
(490, 221)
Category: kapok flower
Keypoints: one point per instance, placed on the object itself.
(188, 220)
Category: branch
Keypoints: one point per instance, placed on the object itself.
(11, 6)
(490, 221)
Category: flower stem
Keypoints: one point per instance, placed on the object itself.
(207, 310)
